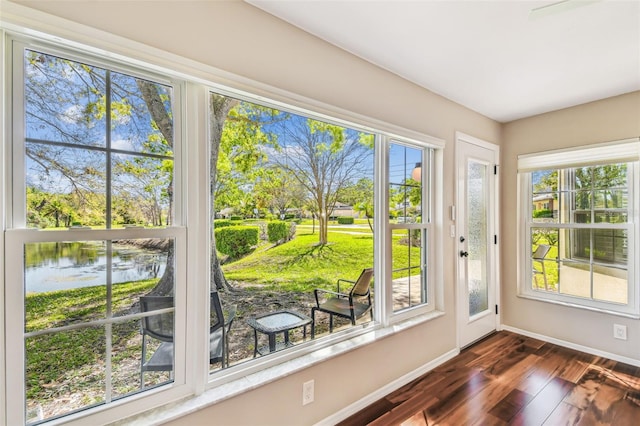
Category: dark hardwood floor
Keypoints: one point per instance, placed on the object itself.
(516, 380)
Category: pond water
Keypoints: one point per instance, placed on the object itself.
(65, 265)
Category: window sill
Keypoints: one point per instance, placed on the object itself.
(631, 315)
(237, 386)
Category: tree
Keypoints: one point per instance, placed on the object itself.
(240, 151)
(278, 191)
(323, 158)
(360, 196)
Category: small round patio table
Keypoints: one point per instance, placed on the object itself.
(273, 323)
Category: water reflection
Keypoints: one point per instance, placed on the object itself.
(63, 265)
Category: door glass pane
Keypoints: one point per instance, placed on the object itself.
(477, 202)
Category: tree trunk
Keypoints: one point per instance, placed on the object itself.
(165, 285)
(219, 110)
(220, 107)
(369, 222)
(323, 222)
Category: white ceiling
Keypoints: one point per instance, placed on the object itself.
(494, 57)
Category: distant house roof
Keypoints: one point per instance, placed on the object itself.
(543, 197)
(341, 206)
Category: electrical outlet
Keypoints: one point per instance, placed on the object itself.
(620, 331)
(307, 392)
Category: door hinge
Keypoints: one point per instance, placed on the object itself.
(495, 169)
(495, 239)
(496, 309)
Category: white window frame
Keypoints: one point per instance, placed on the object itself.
(17, 235)
(384, 316)
(425, 226)
(627, 150)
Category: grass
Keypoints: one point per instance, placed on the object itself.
(51, 358)
(301, 264)
(551, 268)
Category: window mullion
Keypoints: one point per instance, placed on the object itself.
(383, 303)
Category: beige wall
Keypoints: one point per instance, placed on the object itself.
(240, 39)
(606, 120)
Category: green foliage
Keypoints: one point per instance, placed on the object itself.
(55, 357)
(236, 241)
(276, 190)
(221, 223)
(301, 264)
(545, 236)
(358, 194)
(542, 213)
(236, 218)
(345, 220)
(241, 150)
(277, 231)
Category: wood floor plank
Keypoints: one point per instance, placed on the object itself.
(369, 414)
(489, 344)
(476, 409)
(540, 374)
(451, 400)
(405, 411)
(543, 404)
(418, 419)
(510, 405)
(506, 348)
(564, 414)
(582, 395)
(508, 379)
(423, 384)
(602, 409)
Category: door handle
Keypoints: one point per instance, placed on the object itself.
(463, 253)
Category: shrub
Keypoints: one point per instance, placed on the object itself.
(542, 213)
(236, 241)
(345, 220)
(277, 230)
(221, 223)
(237, 218)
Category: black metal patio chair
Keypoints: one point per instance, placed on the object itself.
(351, 305)
(161, 327)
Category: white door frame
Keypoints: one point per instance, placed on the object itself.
(494, 228)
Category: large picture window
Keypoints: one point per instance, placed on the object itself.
(580, 211)
(292, 215)
(93, 204)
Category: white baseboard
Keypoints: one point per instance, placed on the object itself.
(574, 346)
(387, 389)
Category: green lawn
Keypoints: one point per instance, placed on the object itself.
(59, 357)
(302, 265)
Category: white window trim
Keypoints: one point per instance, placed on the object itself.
(16, 235)
(429, 193)
(25, 23)
(627, 150)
